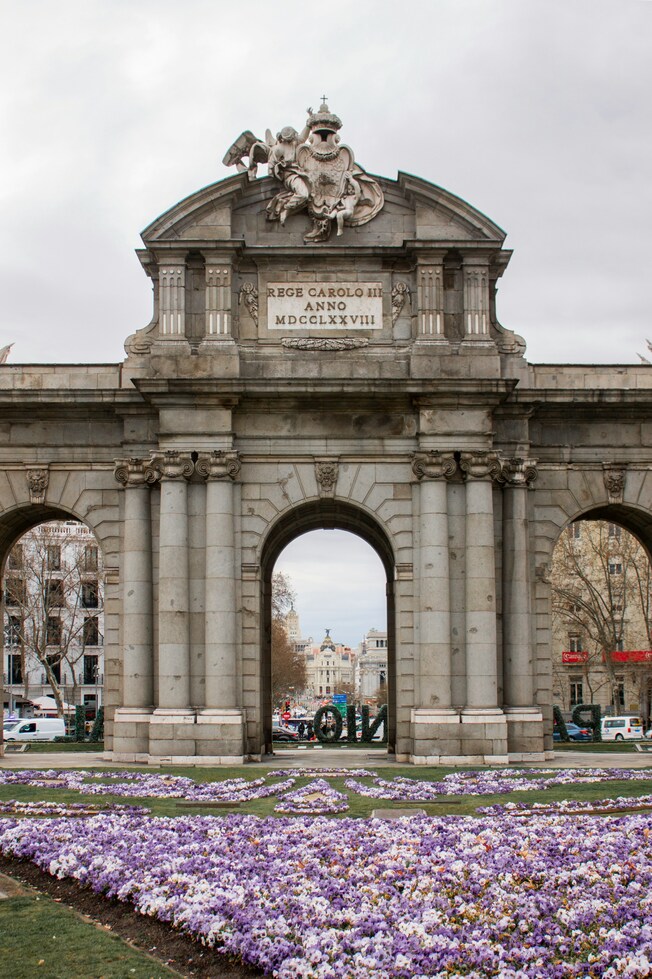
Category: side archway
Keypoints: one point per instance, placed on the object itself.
(53, 590)
(325, 514)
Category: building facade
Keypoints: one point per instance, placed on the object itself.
(325, 351)
(53, 609)
(371, 668)
(602, 619)
(329, 669)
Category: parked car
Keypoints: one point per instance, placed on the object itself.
(626, 728)
(283, 734)
(575, 733)
(35, 729)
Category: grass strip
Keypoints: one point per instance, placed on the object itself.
(40, 937)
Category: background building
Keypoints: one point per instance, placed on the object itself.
(329, 669)
(602, 619)
(53, 618)
(371, 667)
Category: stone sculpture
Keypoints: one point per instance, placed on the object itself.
(318, 174)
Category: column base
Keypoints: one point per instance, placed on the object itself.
(179, 736)
(446, 736)
(130, 733)
(525, 734)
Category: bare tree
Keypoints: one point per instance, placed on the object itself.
(601, 596)
(52, 603)
(288, 666)
(283, 596)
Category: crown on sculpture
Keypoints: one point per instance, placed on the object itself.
(324, 120)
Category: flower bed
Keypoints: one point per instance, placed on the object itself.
(556, 896)
(279, 782)
(315, 798)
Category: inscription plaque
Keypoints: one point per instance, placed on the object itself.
(324, 306)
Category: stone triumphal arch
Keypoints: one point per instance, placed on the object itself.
(325, 352)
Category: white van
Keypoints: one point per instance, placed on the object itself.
(35, 729)
(622, 728)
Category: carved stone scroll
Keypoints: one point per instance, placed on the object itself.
(37, 483)
(172, 465)
(218, 465)
(434, 465)
(518, 472)
(480, 465)
(134, 472)
(324, 343)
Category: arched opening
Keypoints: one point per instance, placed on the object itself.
(601, 585)
(325, 515)
(53, 615)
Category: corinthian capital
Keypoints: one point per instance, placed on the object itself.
(172, 465)
(480, 465)
(134, 472)
(519, 472)
(218, 465)
(434, 465)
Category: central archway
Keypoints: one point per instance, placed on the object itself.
(324, 514)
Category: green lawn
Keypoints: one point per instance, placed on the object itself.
(359, 806)
(39, 937)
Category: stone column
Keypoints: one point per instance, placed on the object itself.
(173, 592)
(433, 469)
(220, 729)
(220, 469)
(524, 718)
(218, 299)
(476, 299)
(137, 664)
(172, 298)
(517, 639)
(481, 659)
(430, 296)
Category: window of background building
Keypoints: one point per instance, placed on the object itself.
(91, 555)
(53, 632)
(14, 591)
(13, 629)
(91, 666)
(576, 531)
(15, 559)
(619, 645)
(615, 567)
(91, 631)
(576, 691)
(55, 665)
(53, 557)
(614, 530)
(14, 668)
(90, 594)
(575, 643)
(54, 594)
(619, 692)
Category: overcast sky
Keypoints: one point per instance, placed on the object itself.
(537, 112)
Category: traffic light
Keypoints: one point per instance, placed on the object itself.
(287, 705)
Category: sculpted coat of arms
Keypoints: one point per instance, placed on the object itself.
(318, 174)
